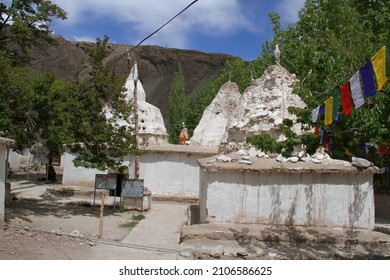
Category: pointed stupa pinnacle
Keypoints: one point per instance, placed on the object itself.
(135, 73)
(277, 54)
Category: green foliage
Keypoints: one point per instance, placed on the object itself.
(176, 106)
(99, 142)
(27, 106)
(24, 23)
(37, 109)
(134, 222)
(139, 217)
(264, 142)
(331, 40)
(128, 225)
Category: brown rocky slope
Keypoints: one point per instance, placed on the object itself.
(157, 65)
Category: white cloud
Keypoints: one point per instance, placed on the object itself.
(288, 9)
(84, 39)
(212, 17)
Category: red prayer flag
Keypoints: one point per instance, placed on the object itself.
(316, 131)
(346, 99)
(382, 150)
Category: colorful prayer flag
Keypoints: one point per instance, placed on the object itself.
(322, 108)
(336, 105)
(388, 60)
(379, 66)
(314, 114)
(324, 138)
(346, 99)
(316, 131)
(356, 90)
(329, 111)
(367, 77)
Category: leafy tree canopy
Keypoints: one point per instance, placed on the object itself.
(37, 110)
(327, 45)
(331, 40)
(24, 23)
(176, 106)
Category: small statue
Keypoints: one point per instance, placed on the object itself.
(277, 54)
(183, 138)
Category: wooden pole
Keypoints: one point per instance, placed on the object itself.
(136, 159)
(135, 94)
(101, 217)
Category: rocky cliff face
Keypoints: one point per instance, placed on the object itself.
(157, 66)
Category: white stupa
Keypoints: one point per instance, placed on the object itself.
(264, 105)
(231, 117)
(151, 128)
(213, 124)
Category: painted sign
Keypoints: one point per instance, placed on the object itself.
(105, 181)
(132, 188)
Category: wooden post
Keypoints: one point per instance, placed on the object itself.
(101, 217)
(136, 129)
(135, 78)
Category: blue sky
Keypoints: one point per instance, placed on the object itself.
(235, 27)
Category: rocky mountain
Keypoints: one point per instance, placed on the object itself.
(157, 65)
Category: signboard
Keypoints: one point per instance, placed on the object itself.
(105, 181)
(132, 188)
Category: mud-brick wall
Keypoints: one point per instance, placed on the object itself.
(275, 198)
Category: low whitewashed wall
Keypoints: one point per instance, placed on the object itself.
(171, 173)
(4, 144)
(296, 198)
(77, 176)
(3, 152)
(169, 170)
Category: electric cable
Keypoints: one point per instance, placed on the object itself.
(157, 30)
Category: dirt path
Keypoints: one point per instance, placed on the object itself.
(63, 227)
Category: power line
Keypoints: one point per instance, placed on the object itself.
(161, 27)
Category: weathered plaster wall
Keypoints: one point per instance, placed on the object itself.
(77, 176)
(171, 173)
(167, 170)
(315, 199)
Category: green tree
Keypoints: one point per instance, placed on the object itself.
(331, 40)
(38, 110)
(176, 106)
(24, 23)
(100, 142)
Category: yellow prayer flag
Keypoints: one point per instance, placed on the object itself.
(379, 65)
(329, 111)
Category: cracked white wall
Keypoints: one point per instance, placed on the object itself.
(307, 199)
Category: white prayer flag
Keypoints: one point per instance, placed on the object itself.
(314, 114)
(356, 90)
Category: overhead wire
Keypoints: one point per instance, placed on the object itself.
(157, 30)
